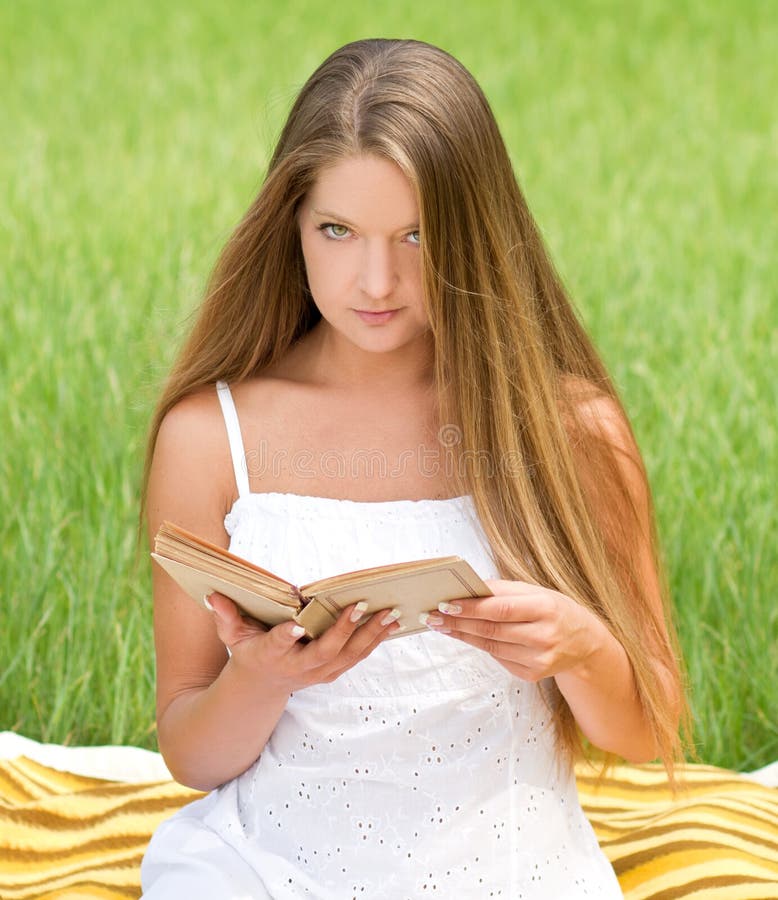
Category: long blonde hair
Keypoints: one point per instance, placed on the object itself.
(512, 365)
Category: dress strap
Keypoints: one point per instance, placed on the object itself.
(235, 438)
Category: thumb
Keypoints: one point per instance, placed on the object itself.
(284, 636)
(231, 626)
(224, 609)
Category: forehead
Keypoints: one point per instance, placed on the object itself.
(369, 188)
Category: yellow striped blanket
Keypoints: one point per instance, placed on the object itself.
(70, 836)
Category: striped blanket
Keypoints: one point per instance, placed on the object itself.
(71, 836)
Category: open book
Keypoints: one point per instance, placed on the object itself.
(413, 587)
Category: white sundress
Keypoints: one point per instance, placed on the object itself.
(425, 770)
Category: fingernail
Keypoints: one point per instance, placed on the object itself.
(391, 616)
(429, 619)
(358, 611)
(451, 608)
(207, 602)
(297, 631)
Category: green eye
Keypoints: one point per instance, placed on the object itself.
(415, 237)
(335, 231)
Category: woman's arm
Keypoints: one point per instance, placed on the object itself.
(214, 712)
(604, 681)
(537, 633)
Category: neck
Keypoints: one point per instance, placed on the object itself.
(333, 361)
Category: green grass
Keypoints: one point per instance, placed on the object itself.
(135, 135)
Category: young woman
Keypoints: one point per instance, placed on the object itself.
(386, 367)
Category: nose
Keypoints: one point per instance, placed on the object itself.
(378, 275)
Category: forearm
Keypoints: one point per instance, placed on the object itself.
(210, 735)
(603, 698)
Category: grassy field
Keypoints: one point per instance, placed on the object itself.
(134, 135)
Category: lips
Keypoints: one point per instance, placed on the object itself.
(376, 318)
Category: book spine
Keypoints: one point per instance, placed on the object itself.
(315, 618)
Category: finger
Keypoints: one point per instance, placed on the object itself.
(284, 638)
(353, 621)
(527, 666)
(327, 646)
(380, 625)
(349, 637)
(501, 650)
(520, 634)
(524, 607)
(231, 626)
(361, 644)
(225, 612)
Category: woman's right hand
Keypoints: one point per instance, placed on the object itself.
(284, 663)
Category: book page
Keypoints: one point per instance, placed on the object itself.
(363, 576)
(413, 588)
(269, 605)
(201, 568)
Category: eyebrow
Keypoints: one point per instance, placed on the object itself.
(325, 213)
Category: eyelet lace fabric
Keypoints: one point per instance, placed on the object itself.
(425, 770)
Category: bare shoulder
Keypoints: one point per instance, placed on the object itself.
(191, 480)
(609, 461)
(192, 417)
(594, 411)
(192, 432)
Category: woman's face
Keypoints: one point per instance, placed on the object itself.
(359, 228)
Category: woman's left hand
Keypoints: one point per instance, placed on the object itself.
(534, 632)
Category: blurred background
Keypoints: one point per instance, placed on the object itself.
(644, 136)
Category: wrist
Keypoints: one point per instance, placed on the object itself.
(599, 650)
(256, 681)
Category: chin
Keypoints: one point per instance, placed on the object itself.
(387, 343)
